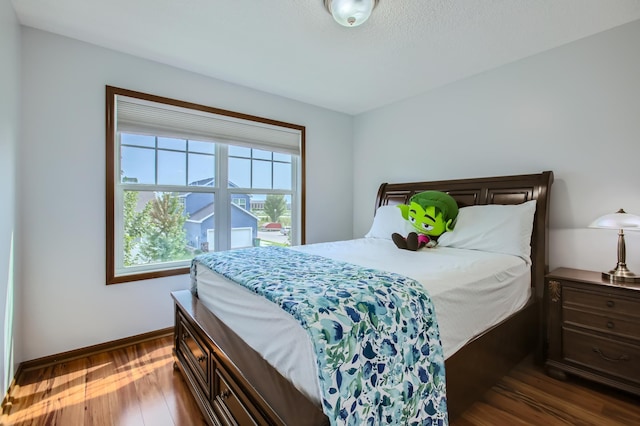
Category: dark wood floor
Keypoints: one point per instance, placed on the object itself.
(527, 396)
(137, 385)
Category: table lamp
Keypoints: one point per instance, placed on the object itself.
(620, 220)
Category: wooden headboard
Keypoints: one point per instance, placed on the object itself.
(492, 190)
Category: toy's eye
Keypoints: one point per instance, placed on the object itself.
(427, 227)
(412, 219)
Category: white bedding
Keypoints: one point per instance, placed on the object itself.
(471, 290)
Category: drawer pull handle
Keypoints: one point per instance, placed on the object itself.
(610, 324)
(622, 357)
(202, 358)
(610, 303)
(225, 394)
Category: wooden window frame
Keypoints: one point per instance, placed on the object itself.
(111, 145)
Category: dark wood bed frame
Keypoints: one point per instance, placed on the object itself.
(233, 384)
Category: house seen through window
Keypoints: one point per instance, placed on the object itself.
(184, 189)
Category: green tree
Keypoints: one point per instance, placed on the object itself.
(135, 224)
(164, 236)
(275, 206)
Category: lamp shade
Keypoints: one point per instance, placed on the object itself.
(350, 13)
(617, 220)
(620, 220)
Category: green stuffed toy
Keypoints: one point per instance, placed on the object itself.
(431, 213)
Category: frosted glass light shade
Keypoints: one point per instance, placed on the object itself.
(350, 13)
(617, 220)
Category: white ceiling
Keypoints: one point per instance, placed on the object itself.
(293, 48)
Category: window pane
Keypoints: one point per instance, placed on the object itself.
(172, 168)
(261, 174)
(202, 147)
(281, 157)
(263, 155)
(239, 173)
(138, 140)
(238, 151)
(281, 175)
(171, 143)
(137, 165)
(155, 228)
(240, 201)
(244, 224)
(164, 190)
(201, 170)
(274, 219)
(199, 225)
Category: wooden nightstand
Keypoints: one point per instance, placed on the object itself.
(593, 328)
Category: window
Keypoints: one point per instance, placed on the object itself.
(184, 179)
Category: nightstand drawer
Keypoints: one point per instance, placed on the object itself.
(622, 326)
(605, 355)
(602, 302)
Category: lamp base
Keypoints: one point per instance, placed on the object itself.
(621, 275)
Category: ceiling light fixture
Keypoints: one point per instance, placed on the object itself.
(350, 13)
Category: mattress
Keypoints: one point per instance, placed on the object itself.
(471, 290)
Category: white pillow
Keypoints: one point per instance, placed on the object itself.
(495, 228)
(388, 219)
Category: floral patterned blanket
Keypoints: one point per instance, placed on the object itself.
(375, 335)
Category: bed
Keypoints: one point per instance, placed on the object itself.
(235, 384)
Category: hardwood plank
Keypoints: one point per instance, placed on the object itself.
(535, 398)
(616, 406)
(43, 393)
(540, 400)
(133, 385)
(68, 393)
(178, 398)
(487, 415)
(23, 394)
(155, 410)
(523, 409)
(137, 385)
(101, 379)
(125, 402)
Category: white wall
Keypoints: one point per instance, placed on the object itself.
(574, 110)
(62, 181)
(9, 136)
